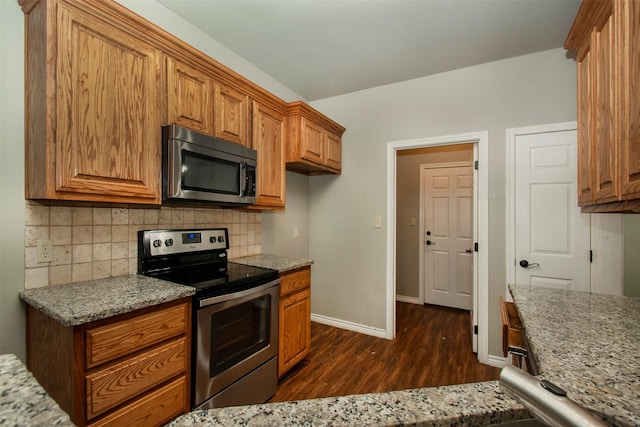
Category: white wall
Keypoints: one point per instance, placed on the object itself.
(12, 318)
(350, 269)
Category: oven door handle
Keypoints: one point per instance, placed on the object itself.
(222, 298)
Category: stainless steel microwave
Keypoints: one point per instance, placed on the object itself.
(201, 168)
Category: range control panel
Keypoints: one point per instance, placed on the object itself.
(168, 242)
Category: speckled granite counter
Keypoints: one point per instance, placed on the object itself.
(467, 404)
(23, 402)
(85, 302)
(280, 263)
(589, 344)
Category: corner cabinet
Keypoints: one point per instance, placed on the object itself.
(314, 142)
(294, 339)
(92, 106)
(605, 37)
(131, 369)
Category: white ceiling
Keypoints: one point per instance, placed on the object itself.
(324, 48)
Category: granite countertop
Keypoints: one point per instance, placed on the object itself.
(589, 344)
(466, 404)
(276, 262)
(84, 302)
(23, 401)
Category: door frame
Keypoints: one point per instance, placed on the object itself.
(421, 274)
(511, 135)
(480, 142)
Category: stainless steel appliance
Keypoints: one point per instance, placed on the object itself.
(198, 167)
(235, 314)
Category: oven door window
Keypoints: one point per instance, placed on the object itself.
(209, 174)
(238, 332)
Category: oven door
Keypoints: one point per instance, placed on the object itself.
(236, 345)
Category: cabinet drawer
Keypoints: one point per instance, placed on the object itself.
(293, 281)
(155, 409)
(118, 339)
(116, 384)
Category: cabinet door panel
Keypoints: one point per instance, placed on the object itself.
(605, 135)
(108, 127)
(312, 142)
(231, 114)
(189, 97)
(333, 157)
(585, 139)
(630, 105)
(295, 329)
(268, 141)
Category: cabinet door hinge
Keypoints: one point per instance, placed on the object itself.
(475, 165)
(475, 246)
(475, 329)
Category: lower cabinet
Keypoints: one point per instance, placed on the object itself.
(131, 369)
(294, 340)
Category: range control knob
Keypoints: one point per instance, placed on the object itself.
(212, 239)
(220, 239)
(168, 242)
(157, 243)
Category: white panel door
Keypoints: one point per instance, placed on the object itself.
(448, 216)
(552, 237)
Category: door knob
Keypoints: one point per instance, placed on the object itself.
(468, 251)
(428, 242)
(525, 264)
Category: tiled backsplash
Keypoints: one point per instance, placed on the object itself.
(98, 241)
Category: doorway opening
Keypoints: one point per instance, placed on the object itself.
(479, 143)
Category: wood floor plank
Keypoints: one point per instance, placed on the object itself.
(432, 348)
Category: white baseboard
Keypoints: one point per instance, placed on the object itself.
(497, 361)
(349, 326)
(410, 300)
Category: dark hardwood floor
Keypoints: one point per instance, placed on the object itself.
(432, 348)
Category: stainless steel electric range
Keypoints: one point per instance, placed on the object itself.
(235, 314)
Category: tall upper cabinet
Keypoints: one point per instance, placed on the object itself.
(606, 39)
(92, 103)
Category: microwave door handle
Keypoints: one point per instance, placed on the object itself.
(243, 179)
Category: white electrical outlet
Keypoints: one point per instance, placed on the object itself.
(377, 221)
(296, 232)
(45, 251)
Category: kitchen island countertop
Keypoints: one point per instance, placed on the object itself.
(23, 401)
(588, 344)
(276, 262)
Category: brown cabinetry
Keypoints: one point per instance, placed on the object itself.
(132, 369)
(268, 141)
(314, 142)
(93, 121)
(294, 340)
(605, 36)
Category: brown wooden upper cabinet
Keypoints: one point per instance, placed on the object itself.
(197, 101)
(605, 37)
(314, 142)
(92, 91)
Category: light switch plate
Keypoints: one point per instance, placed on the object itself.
(377, 221)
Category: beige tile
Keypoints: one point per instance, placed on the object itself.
(81, 215)
(199, 216)
(31, 257)
(101, 233)
(81, 234)
(228, 217)
(81, 272)
(164, 226)
(251, 237)
(119, 267)
(177, 217)
(60, 274)
(136, 216)
(120, 216)
(210, 218)
(82, 254)
(120, 250)
(164, 217)
(101, 251)
(60, 215)
(133, 231)
(151, 217)
(36, 214)
(119, 233)
(62, 254)
(101, 269)
(188, 225)
(133, 265)
(36, 277)
(33, 233)
(133, 250)
(60, 234)
(101, 216)
(188, 215)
